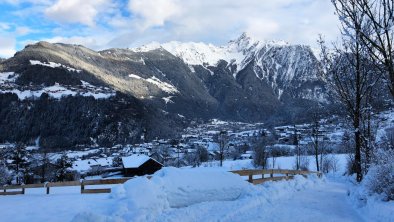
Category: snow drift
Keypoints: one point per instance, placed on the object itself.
(185, 194)
(142, 199)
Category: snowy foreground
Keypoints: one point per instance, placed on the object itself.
(201, 194)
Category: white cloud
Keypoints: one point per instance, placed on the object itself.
(17, 2)
(7, 46)
(77, 11)
(155, 13)
(261, 28)
(4, 26)
(296, 21)
(23, 30)
(212, 21)
(93, 42)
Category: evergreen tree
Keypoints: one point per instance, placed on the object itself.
(62, 167)
(5, 176)
(117, 161)
(20, 163)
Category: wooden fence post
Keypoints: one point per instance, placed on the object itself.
(250, 178)
(23, 190)
(47, 186)
(82, 186)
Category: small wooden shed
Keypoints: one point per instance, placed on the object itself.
(139, 164)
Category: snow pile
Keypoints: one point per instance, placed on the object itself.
(190, 186)
(275, 190)
(371, 206)
(375, 195)
(141, 199)
(185, 194)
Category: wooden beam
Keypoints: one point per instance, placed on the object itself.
(40, 185)
(93, 191)
(262, 180)
(106, 181)
(11, 193)
(64, 184)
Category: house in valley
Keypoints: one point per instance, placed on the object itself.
(139, 164)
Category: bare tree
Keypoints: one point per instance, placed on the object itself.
(275, 153)
(378, 36)
(260, 149)
(196, 158)
(349, 70)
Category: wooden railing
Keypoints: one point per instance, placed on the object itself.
(21, 188)
(266, 175)
(272, 174)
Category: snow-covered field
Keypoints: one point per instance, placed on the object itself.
(207, 193)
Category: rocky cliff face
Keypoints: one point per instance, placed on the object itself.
(162, 85)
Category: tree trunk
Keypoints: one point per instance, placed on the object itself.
(317, 157)
(357, 156)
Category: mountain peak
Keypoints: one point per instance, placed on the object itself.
(243, 42)
(246, 40)
(242, 38)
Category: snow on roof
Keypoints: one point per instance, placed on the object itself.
(246, 155)
(85, 165)
(135, 161)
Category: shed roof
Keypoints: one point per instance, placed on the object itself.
(135, 161)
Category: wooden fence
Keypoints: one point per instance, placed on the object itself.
(21, 188)
(272, 174)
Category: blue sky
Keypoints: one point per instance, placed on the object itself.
(100, 24)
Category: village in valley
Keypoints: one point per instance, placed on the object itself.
(200, 145)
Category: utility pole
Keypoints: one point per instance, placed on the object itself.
(222, 145)
(296, 143)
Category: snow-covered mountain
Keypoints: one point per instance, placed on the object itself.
(235, 52)
(285, 67)
(170, 83)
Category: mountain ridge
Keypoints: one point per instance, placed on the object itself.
(246, 80)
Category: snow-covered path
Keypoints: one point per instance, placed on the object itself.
(323, 202)
(327, 202)
(193, 195)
